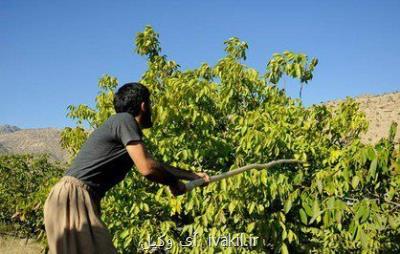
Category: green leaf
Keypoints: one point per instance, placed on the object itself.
(319, 184)
(372, 169)
(371, 154)
(291, 236)
(307, 209)
(124, 234)
(288, 205)
(315, 207)
(363, 212)
(284, 249)
(250, 227)
(223, 185)
(251, 207)
(231, 207)
(303, 216)
(355, 181)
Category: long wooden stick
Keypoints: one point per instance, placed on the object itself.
(198, 182)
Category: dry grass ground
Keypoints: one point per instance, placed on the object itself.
(12, 245)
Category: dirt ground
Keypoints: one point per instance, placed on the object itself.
(11, 245)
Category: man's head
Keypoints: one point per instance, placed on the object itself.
(134, 98)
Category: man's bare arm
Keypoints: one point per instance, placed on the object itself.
(147, 166)
(159, 172)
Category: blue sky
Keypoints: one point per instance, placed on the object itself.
(52, 53)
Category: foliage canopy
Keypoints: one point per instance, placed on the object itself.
(216, 118)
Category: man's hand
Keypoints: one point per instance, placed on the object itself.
(205, 177)
(178, 188)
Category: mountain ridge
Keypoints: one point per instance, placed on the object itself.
(380, 111)
(6, 128)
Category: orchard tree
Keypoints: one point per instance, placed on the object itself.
(217, 118)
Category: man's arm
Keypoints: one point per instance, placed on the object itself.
(147, 166)
(159, 172)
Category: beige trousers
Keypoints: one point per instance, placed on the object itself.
(72, 220)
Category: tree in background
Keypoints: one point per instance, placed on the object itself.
(25, 182)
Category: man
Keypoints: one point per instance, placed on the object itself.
(72, 209)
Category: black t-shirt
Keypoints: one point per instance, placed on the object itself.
(103, 160)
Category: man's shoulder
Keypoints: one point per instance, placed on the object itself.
(118, 118)
(121, 116)
(123, 119)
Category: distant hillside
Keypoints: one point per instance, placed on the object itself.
(380, 110)
(37, 141)
(8, 128)
(2, 149)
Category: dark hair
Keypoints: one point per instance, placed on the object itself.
(129, 97)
